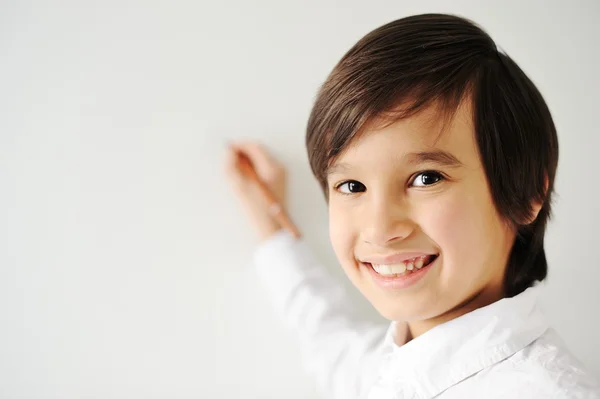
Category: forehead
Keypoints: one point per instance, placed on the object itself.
(425, 132)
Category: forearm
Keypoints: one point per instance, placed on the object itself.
(340, 349)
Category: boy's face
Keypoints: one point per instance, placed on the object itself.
(405, 195)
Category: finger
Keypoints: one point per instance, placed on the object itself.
(257, 152)
(232, 170)
(265, 164)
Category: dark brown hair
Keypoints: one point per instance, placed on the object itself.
(420, 60)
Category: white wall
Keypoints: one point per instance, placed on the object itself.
(124, 259)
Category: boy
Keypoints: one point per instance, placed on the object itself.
(437, 157)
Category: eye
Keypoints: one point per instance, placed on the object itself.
(427, 178)
(351, 187)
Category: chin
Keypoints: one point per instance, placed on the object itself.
(394, 314)
(405, 310)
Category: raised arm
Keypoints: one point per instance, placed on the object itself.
(340, 349)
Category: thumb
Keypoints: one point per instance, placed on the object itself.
(266, 166)
(232, 170)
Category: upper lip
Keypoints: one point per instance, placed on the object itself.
(393, 259)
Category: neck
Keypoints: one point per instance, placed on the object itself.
(479, 300)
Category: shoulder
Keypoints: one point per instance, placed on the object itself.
(544, 368)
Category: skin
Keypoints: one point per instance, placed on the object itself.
(270, 170)
(393, 207)
(406, 203)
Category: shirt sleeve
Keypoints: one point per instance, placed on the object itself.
(342, 352)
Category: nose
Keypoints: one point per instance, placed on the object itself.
(386, 220)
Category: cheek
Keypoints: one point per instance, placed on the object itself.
(341, 234)
(464, 227)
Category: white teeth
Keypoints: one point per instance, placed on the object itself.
(397, 269)
(400, 268)
(419, 263)
(390, 270)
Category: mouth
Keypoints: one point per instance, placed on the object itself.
(402, 269)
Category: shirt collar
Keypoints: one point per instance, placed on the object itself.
(459, 348)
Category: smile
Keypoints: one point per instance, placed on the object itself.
(403, 268)
(401, 275)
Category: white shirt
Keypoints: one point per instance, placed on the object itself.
(503, 350)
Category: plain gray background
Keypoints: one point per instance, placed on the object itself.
(124, 258)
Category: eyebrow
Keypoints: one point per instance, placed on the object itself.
(439, 157)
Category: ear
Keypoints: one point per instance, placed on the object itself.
(536, 206)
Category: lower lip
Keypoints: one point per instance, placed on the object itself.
(399, 282)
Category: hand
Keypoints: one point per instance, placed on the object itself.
(270, 171)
